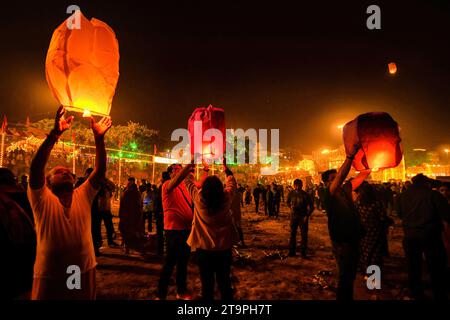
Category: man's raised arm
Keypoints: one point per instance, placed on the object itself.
(99, 129)
(37, 167)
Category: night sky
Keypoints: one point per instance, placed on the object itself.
(301, 68)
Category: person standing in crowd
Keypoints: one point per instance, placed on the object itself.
(148, 206)
(422, 211)
(159, 213)
(301, 206)
(213, 233)
(24, 182)
(143, 187)
(270, 201)
(17, 239)
(264, 199)
(178, 213)
(237, 215)
(321, 195)
(130, 214)
(104, 209)
(372, 214)
(62, 217)
(281, 192)
(344, 224)
(248, 196)
(241, 190)
(256, 197)
(276, 199)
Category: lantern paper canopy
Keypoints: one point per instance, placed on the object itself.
(392, 68)
(380, 140)
(211, 118)
(82, 66)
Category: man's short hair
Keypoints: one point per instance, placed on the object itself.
(165, 176)
(298, 182)
(326, 174)
(420, 179)
(131, 179)
(170, 168)
(7, 178)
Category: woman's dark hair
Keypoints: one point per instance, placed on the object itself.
(7, 177)
(326, 175)
(165, 176)
(213, 194)
(367, 194)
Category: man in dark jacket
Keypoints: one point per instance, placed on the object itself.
(301, 206)
(256, 196)
(422, 211)
(344, 224)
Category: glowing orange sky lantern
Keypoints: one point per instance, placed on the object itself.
(210, 118)
(380, 139)
(82, 66)
(392, 68)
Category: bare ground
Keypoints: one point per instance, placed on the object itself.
(261, 271)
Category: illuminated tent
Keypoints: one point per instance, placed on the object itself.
(211, 118)
(82, 66)
(380, 139)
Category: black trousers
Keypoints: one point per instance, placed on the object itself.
(148, 216)
(257, 204)
(107, 218)
(159, 220)
(347, 255)
(177, 254)
(302, 223)
(215, 266)
(276, 208)
(96, 229)
(432, 247)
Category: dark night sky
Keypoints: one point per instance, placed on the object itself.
(301, 68)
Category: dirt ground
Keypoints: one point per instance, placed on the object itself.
(261, 271)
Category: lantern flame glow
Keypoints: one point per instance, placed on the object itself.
(392, 68)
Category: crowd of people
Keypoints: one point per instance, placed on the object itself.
(53, 222)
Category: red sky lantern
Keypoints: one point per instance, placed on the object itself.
(82, 66)
(210, 118)
(380, 139)
(392, 68)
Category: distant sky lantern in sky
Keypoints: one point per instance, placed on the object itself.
(380, 139)
(392, 68)
(82, 66)
(210, 118)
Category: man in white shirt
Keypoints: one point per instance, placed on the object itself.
(65, 260)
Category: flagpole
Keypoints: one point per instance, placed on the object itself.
(120, 174)
(2, 149)
(153, 170)
(153, 165)
(73, 153)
